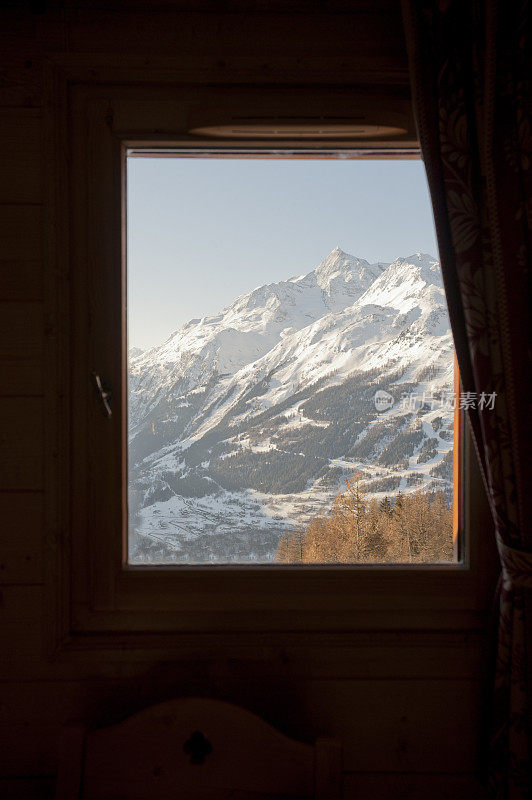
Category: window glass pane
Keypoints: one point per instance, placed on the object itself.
(290, 363)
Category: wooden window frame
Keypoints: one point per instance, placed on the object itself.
(93, 593)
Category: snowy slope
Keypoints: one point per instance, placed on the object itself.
(246, 330)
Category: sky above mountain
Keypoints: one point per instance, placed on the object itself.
(204, 231)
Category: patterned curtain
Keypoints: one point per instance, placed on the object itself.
(470, 64)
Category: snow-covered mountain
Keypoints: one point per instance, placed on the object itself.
(248, 421)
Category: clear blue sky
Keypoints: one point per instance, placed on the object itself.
(203, 231)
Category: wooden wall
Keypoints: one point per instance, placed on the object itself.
(407, 706)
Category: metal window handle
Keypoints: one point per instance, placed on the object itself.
(105, 393)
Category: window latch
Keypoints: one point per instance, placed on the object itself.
(105, 394)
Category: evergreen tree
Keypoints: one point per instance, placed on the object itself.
(348, 514)
(386, 506)
(399, 501)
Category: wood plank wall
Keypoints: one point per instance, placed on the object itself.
(406, 706)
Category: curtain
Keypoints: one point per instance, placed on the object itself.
(470, 64)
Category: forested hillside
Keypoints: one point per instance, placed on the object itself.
(404, 528)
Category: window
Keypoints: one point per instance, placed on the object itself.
(99, 592)
(286, 406)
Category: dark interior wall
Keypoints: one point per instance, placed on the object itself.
(406, 705)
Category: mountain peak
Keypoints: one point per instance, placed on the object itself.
(337, 251)
(343, 278)
(336, 264)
